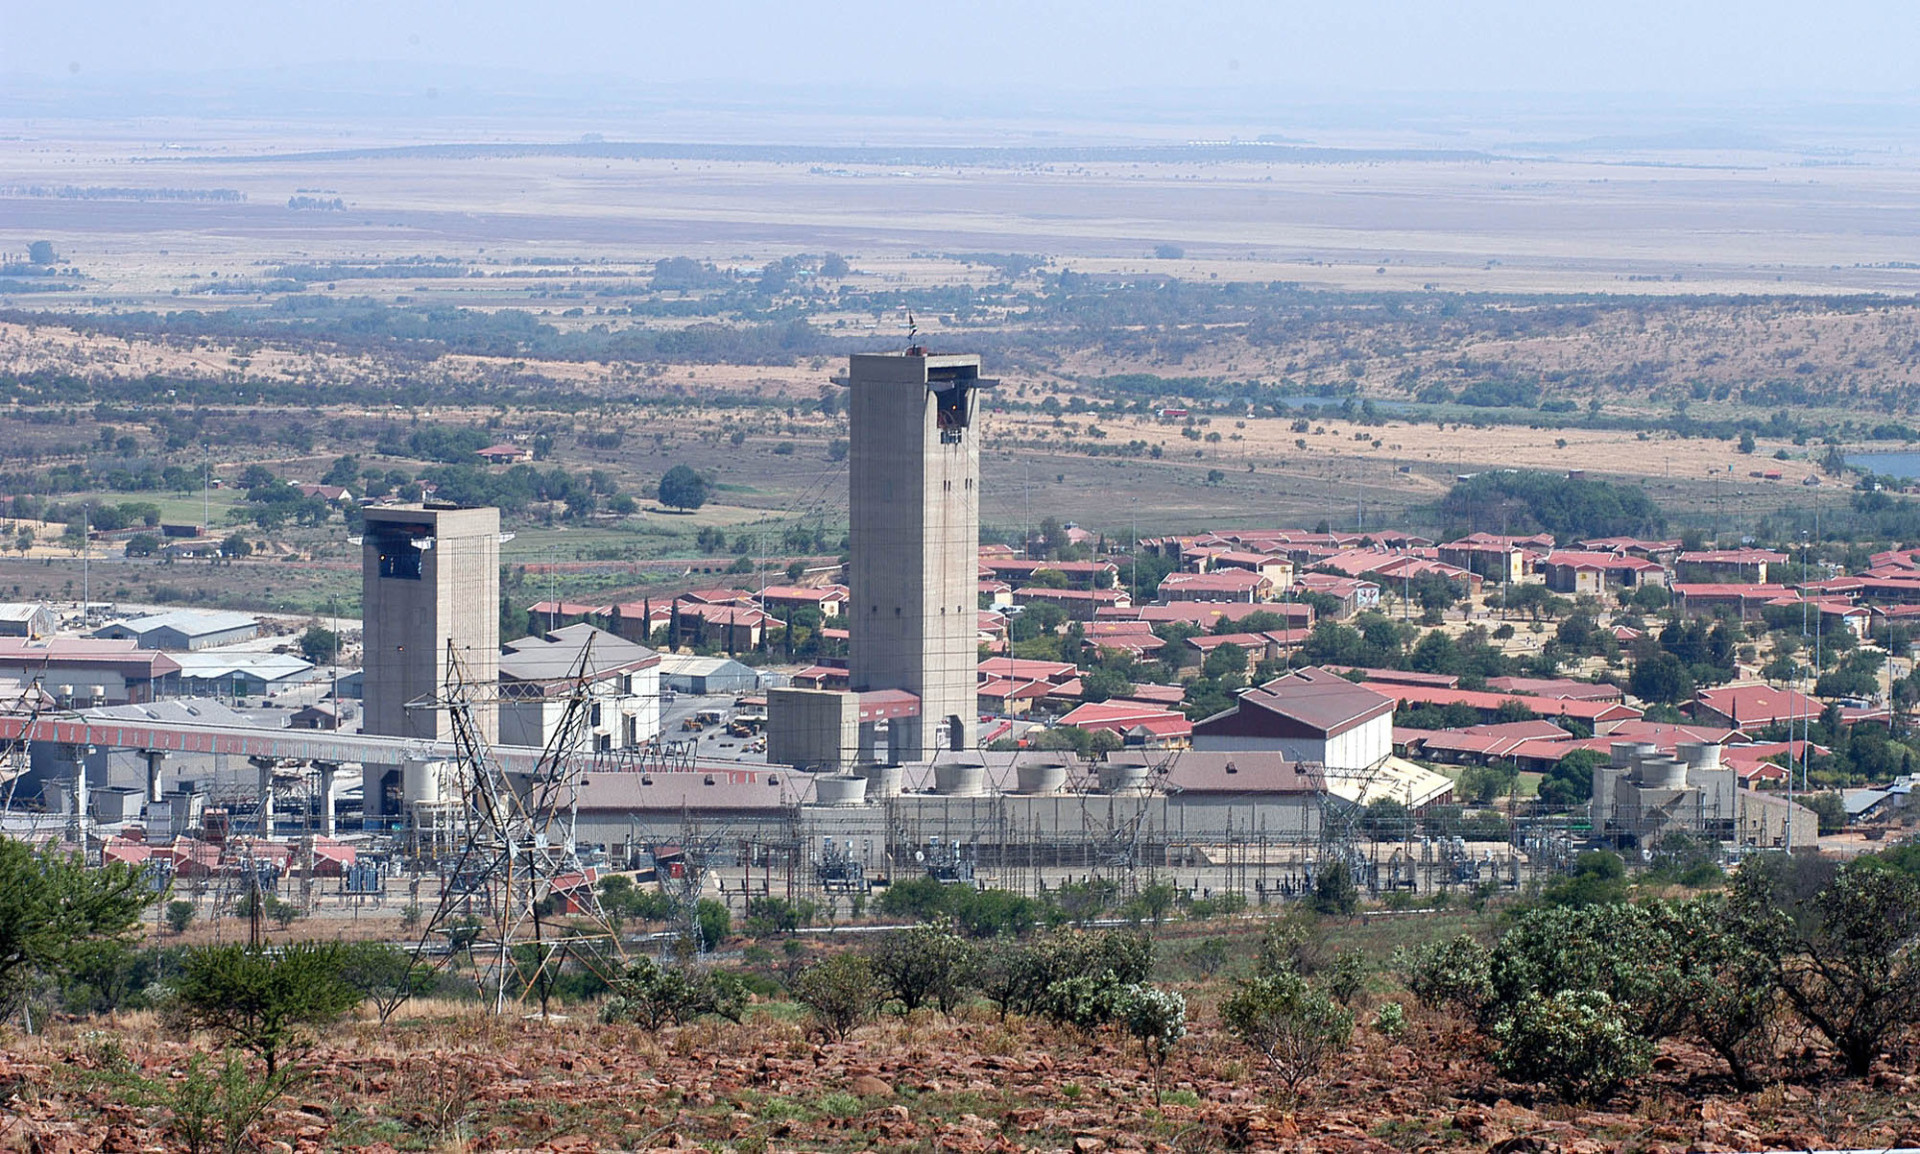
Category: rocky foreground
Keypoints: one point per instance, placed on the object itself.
(453, 1079)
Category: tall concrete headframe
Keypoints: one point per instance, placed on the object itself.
(430, 576)
(915, 510)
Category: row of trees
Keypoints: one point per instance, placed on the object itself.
(1577, 996)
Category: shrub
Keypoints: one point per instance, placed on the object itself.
(1346, 976)
(921, 965)
(655, 995)
(1574, 1041)
(1334, 891)
(1295, 1028)
(841, 992)
(263, 1002)
(1390, 1020)
(207, 1106)
(1634, 954)
(1158, 1018)
(1456, 972)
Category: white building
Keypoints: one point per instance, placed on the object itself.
(538, 674)
(1310, 715)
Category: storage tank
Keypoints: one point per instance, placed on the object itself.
(1662, 773)
(959, 778)
(422, 781)
(882, 780)
(1123, 778)
(1699, 754)
(839, 789)
(1622, 753)
(1041, 777)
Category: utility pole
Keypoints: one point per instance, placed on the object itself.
(86, 556)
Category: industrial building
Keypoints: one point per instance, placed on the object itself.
(183, 630)
(539, 674)
(240, 674)
(1641, 796)
(27, 619)
(429, 586)
(1310, 715)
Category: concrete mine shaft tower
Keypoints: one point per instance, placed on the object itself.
(914, 496)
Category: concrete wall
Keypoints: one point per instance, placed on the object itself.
(411, 619)
(816, 727)
(994, 827)
(915, 519)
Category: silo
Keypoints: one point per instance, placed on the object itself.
(1622, 753)
(1041, 776)
(882, 780)
(1662, 773)
(1123, 778)
(959, 778)
(839, 789)
(1701, 755)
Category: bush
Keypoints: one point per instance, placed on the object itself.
(179, 916)
(1390, 1020)
(1022, 978)
(207, 1106)
(842, 993)
(1574, 1041)
(1295, 1028)
(1218, 906)
(655, 995)
(1334, 891)
(1158, 1019)
(1456, 972)
(1599, 877)
(263, 1002)
(1631, 953)
(1347, 976)
(922, 965)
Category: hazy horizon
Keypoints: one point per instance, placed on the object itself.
(1394, 63)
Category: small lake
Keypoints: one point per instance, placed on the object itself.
(1903, 465)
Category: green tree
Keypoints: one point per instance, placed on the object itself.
(842, 992)
(1295, 1028)
(713, 922)
(235, 545)
(57, 916)
(264, 1002)
(41, 252)
(922, 965)
(1661, 677)
(682, 488)
(179, 916)
(320, 645)
(1847, 956)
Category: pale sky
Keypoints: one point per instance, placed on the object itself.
(1339, 49)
